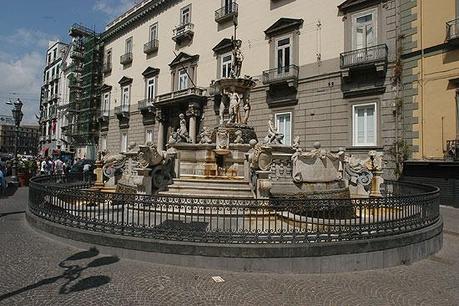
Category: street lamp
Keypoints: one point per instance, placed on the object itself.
(17, 116)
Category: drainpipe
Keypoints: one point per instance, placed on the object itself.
(421, 26)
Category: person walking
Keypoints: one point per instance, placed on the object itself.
(58, 167)
(86, 172)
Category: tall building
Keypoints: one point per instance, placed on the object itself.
(28, 139)
(429, 48)
(324, 70)
(82, 96)
(50, 97)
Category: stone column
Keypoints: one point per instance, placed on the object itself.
(192, 113)
(160, 120)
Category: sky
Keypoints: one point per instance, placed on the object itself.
(26, 26)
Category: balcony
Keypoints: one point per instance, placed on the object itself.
(76, 55)
(126, 59)
(103, 118)
(183, 32)
(452, 150)
(226, 13)
(107, 68)
(122, 113)
(365, 57)
(283, 85)
(452, 32)
(281, 74)
(147, 109)
(193, 94)
(151, 46)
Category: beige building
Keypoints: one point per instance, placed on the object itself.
(323, 70)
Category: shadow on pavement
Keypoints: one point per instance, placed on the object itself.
(72, 274)
(12, 213)
(8, 191)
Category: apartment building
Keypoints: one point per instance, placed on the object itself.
(323, 70)
(28, 139)
(429, 47)
(49, 99)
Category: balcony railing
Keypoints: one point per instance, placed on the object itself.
(183, 31)
(452, 30)
(107, 67)
(145, 104)
(121, 109)
(195, 91)
(151, 46)
(364, 56)
(452, 149)
(281, 74)
(76, 54)
(126, 59)
(226, 13)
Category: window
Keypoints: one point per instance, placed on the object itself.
(227, 60)
(55, 54)
(185, 15)
(108, 57)
(49, 58)
(125, 97)
(103, 142)
(149, 136)
(364, 125)
(284, 126)
(124, 142)
(283, 54)
(228, 4)
(154, 32)
(106, 104)
(364, 30)
(183, 80)
(129, 45)
(151, 89)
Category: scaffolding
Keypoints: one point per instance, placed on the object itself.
(84, 93)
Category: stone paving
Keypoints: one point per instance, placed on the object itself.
(35, 270)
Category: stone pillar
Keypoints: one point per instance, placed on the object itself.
(193, 113)
(160, 120)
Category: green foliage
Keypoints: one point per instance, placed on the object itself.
(400, 151)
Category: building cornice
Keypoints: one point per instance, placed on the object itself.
(127, 20)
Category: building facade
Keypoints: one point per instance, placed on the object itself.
(28, 140)
(49, 99)
(323, 71)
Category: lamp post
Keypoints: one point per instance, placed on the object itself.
(17, 116)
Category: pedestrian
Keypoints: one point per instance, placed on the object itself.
(2, 181)
(86, 171)
(58, 167)
(43, 167)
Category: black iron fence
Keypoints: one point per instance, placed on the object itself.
(70, 201)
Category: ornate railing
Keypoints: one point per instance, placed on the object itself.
(69, 201)
(281, 74)
(226, 12)
(151, 46)
(452, 149)
(364, 56)
(121, 109)
(107, 67)
(126, 58)
(146, 103)
(452, 29)
(182, 30)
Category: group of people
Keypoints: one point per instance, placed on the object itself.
(48, 166)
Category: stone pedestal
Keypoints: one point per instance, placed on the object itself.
(99, 174)
(376, 182)
(263, 184)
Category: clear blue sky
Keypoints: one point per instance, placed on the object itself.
(26, 26)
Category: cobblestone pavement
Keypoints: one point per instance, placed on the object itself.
(35, 270)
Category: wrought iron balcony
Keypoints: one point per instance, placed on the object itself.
(107, 67)
(183, 32)
(452, 32)
(122, 110)
(452, 150)
(146, 104)
(281, 74)
(126, 59)
(226, 12)
(76, 54)
(364, 57)
(151, 46)
(189, 94)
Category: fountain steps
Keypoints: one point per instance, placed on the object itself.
(222, 188)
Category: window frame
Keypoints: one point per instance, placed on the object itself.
(108, 56)
(147, 86)
(106, 105)
(276, 49)
(355, 16)
(181, 14)
(276, 115)
(103, 142)
(354, 125)
(153, 26)
(179, 75)
(146, 135)
(124, 146)
(128, 95)
(222, 62)
(126, 49)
